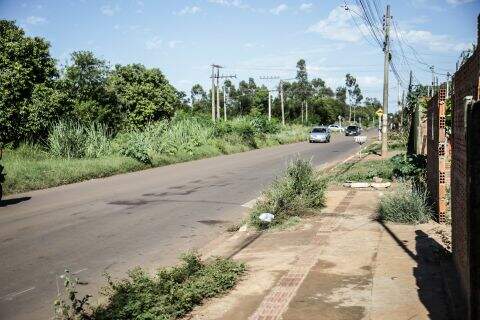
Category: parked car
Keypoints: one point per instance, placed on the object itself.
(319, 134)
(353, 130)
(336, 128)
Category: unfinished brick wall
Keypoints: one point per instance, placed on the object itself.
(465, 226)
(437, 154)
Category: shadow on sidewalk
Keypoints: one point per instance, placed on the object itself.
(428, 272)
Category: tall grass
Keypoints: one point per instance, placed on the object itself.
(75, 152)
(408, 204)
(300, 190)
(73, 140)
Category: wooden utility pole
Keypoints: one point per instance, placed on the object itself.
(386, 66)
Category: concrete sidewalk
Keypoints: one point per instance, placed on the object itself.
(341, 264)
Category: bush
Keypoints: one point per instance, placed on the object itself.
(363, 171)
(172, 293)
(73, 140)
(409, 166)
(406, 205)
(294, 194)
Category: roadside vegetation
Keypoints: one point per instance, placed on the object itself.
(74, 152)
(170, 294)
(90, 119)
(408, 204)
(300, 191)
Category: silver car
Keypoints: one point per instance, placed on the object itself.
(319, 134)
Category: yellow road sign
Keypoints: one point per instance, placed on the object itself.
(379, 112)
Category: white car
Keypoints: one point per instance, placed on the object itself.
(336, 128)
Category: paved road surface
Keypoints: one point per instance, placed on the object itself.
(145, 218)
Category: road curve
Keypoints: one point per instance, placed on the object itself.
(143, 218)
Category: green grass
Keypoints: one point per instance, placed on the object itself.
(362, 171)
(407, 205)
(32, 167)
(298, 192)
(170, 294)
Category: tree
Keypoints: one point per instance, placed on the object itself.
(25, 62)
(341, 94)
(85, 80)
(354, 93)
(142, 95)
(320, 89)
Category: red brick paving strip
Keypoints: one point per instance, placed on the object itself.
(276, 302)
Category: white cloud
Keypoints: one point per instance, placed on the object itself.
(306, 7)
(231, 3)
(339, 26)
(174, 43)
(109, 10)
(154, 43)
(434, 42)
(279, 9)
(458, 2)
(34, 20)
(189, 10)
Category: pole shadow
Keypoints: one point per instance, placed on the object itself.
(431, 286)
(13, 201)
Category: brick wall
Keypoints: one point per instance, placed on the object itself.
(465, 83)
(437, 153)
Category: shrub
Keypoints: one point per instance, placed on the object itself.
(73, 140)
(294, 194)
(67, 139)
(172, 293)
(406, 205)
(363, 171)
(409, 166)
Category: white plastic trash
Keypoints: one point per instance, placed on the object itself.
(266, 217)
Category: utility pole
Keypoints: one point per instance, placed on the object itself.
(386, 50)
(432, 93)
(218, 93)
(306, 112)
(270, 95)
(281, 102)
(448, 85)
(269, 105)
(213, 92)
(224, 104)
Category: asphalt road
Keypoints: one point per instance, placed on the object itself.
(144, 218)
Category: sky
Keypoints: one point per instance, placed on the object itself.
(257, 38)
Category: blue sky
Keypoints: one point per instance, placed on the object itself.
(254, 38)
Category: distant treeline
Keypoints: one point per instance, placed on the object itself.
(35, 94)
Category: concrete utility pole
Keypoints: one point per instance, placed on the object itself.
(218, 93)
(432, 92)
(306, 111)
(224, 104)
(270, 95)
(281, 102)
(269, 105)
(447, 95)
(213, 92)
(386, 50)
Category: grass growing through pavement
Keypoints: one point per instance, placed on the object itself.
(362, 171)
(299, 191)
(408, 204)
(170, 294)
